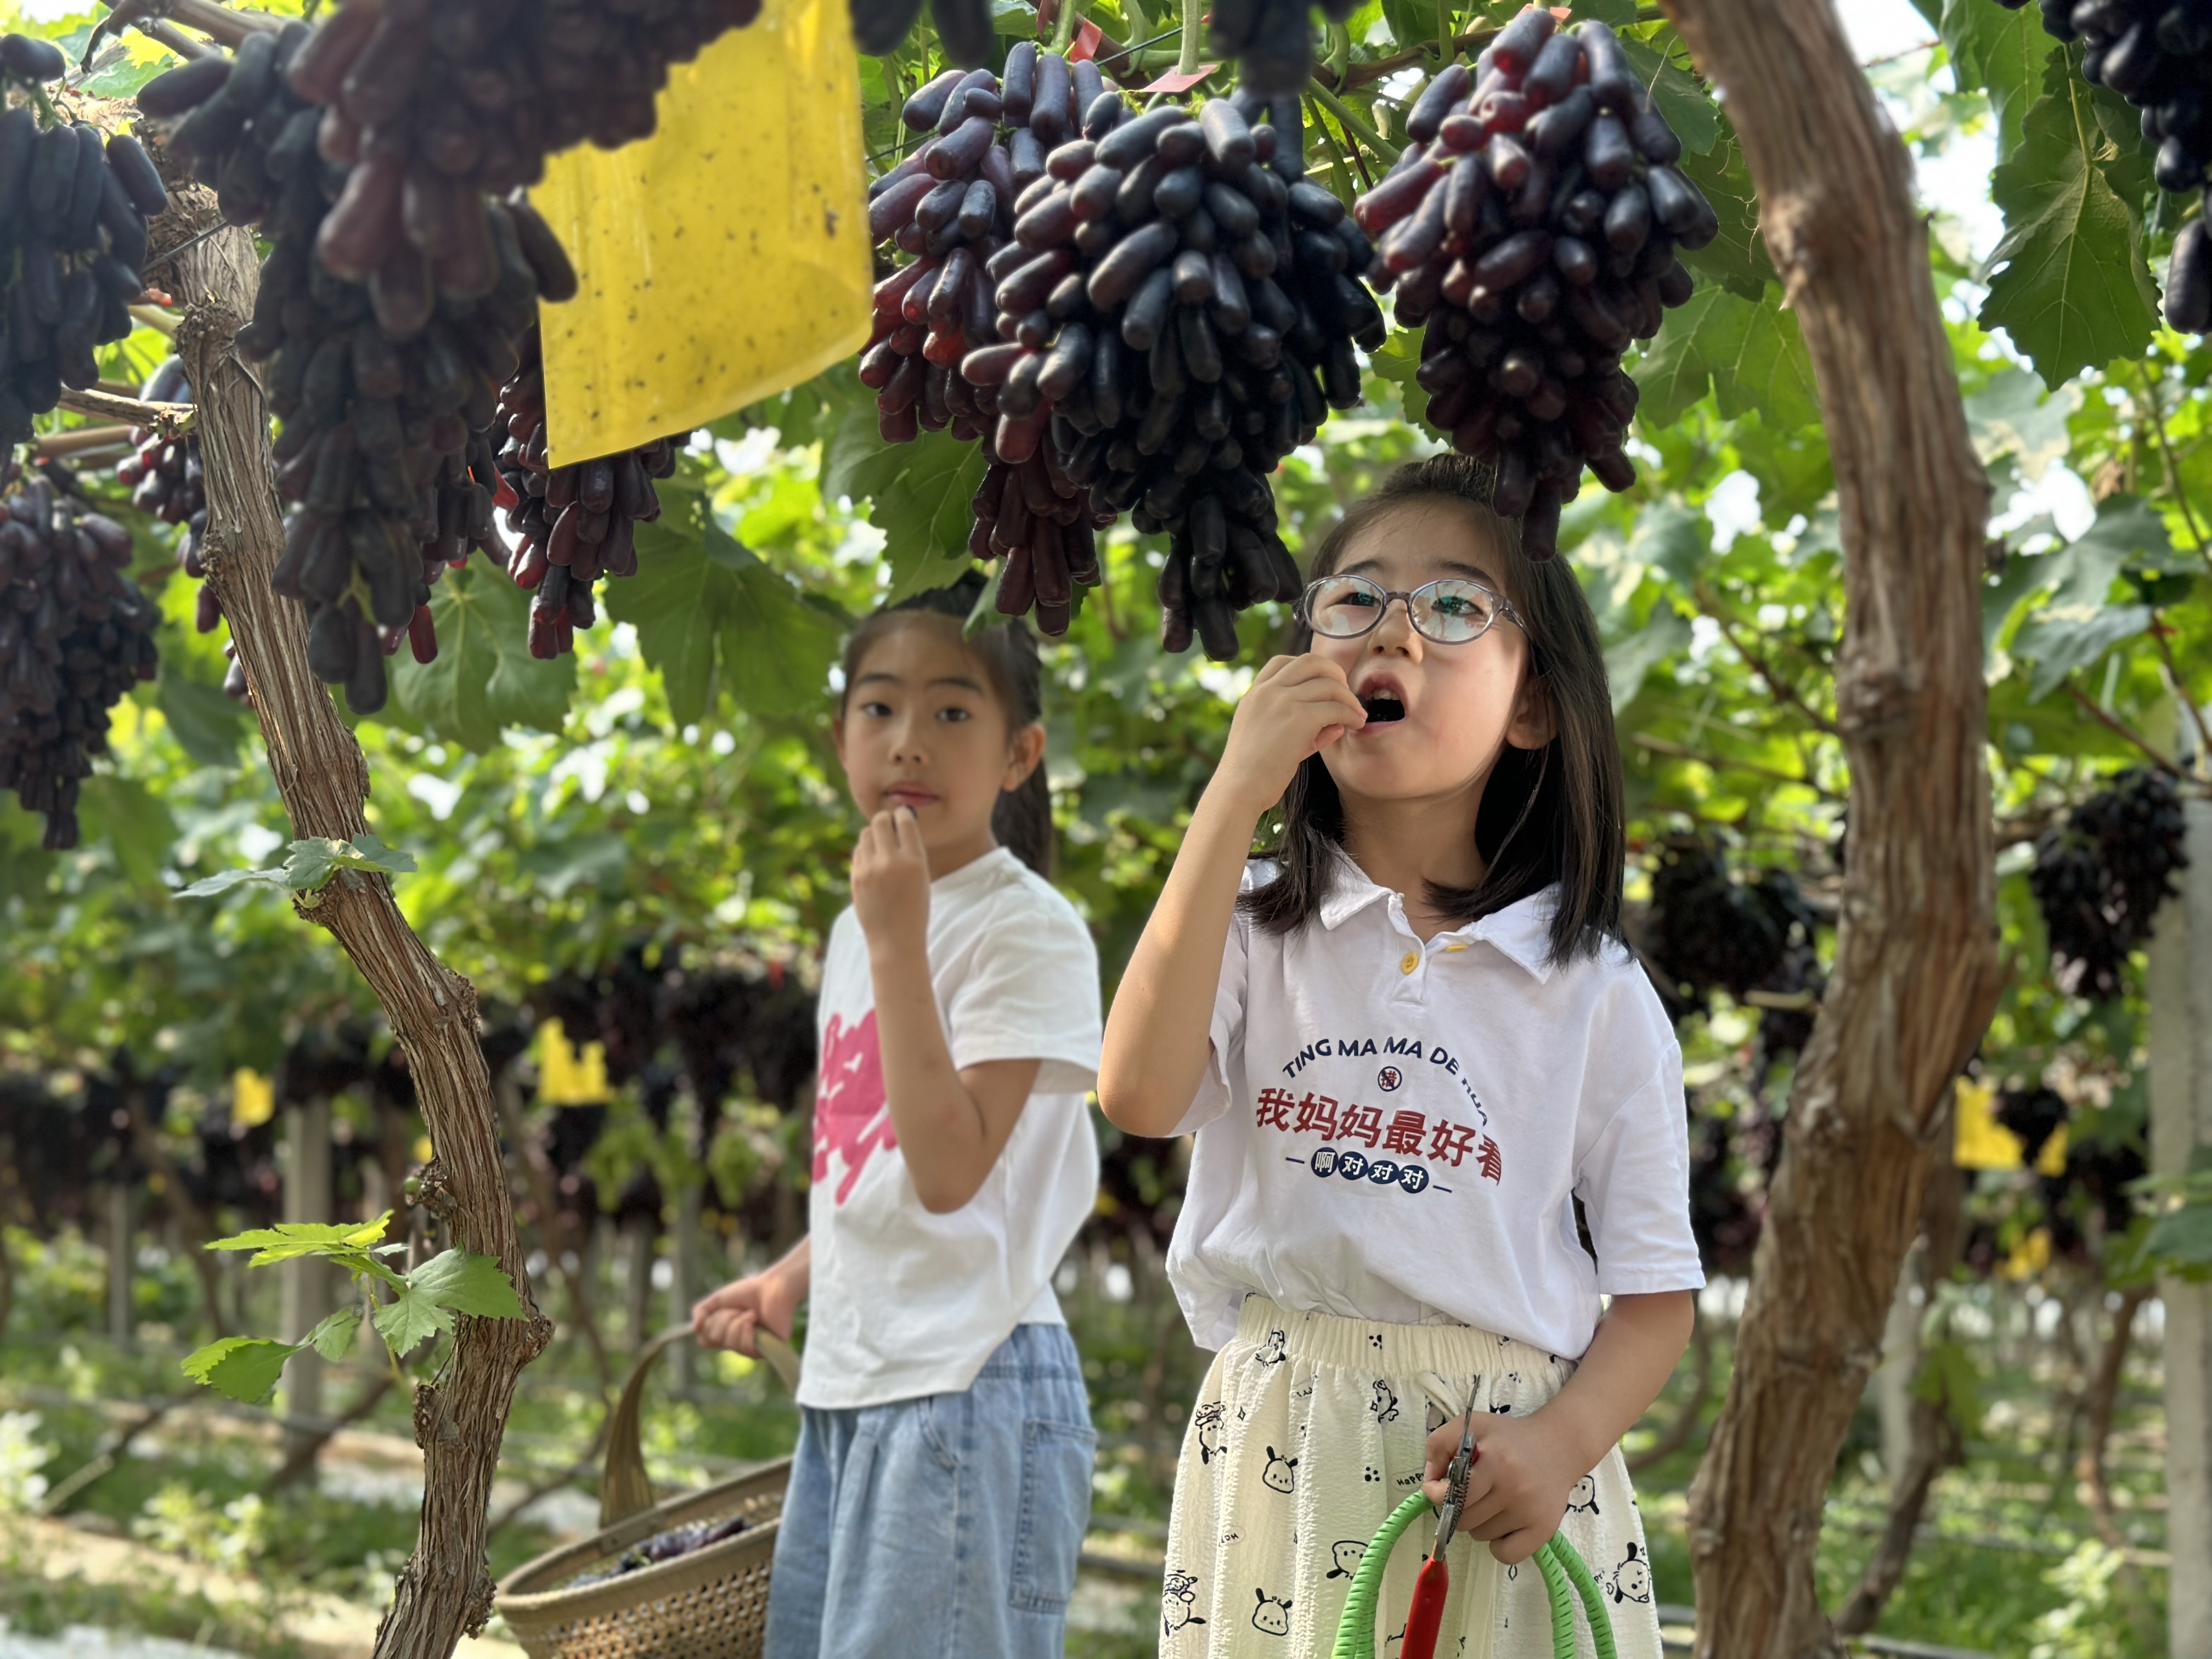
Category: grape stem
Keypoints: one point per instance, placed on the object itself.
(231, 29)
(1359, 75)
(2157, 413)
(1063, 28)
(1337, 153)
(1759, 666)
(2179, 687)
(167, 419)
(1352, 124)
(1186, 56)
(2121, 729)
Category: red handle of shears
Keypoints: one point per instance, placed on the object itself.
(1425, 1617)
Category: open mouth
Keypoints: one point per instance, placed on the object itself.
(1383, 705)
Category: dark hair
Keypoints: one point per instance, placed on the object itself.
(1008, 654)
(1548, 814)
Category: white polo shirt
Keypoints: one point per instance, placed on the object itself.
(1394, 1131)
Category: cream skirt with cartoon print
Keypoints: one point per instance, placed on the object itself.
(1309, 1431)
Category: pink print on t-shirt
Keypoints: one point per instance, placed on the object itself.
(849, 1115)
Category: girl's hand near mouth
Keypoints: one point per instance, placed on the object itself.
(1297, 706)
(891, 880)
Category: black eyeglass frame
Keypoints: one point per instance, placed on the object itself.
(1504, 608)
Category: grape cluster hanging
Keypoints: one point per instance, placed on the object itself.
(73, 217)
(1533, 223)
(75, 634)
(1178, 317)
(2101, 879)
(950, 206)
(387, 389)
(2157, 54)
(571, 524)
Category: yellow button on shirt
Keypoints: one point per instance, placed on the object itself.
(1413, 960)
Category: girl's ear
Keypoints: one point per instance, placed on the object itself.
(1535, 722)
(1023, 756)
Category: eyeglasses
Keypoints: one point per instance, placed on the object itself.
(1450, 611)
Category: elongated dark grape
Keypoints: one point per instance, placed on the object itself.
(75, 635)
(387, 389)
(579, 519)
(1536, 234)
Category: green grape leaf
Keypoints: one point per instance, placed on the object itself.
(1673, 540)
(1397, 362)
(1749, 356)
(484, 678)
(2006, 53)
(133, 822)
(246, 1368)
(410, 1319)
(918, 496)
(1689, 109)
(1628, 661)
(318, 859)
(2071, 281)
(2011, 416)
(223, 880)
(777, 643)
(2062, 640)
(675, 603)
(2181, 1241)
(466, 1284)
(1736, 258)
(288, 1239)
(207, 725)
(332, 1337)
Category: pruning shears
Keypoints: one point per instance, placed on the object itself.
(1425, 1617)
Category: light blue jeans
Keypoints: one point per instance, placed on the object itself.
(945, 1527)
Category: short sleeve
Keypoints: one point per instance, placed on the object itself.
(1634, 1183)
(1225, 1058)
(1031, 993)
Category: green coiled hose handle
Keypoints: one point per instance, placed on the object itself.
(1566, 1576)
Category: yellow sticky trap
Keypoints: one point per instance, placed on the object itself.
(724, 258)
(1978, 1141)
(252, 1099)
(566, 1077)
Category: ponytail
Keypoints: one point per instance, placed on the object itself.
(1007, 650)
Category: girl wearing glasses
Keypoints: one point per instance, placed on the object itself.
(1419, 1063)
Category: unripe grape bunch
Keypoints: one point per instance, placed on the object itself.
(1533, 223)
(2157, 54)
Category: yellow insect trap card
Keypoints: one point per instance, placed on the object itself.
(722, 259)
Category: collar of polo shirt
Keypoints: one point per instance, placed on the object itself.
(1522, 930)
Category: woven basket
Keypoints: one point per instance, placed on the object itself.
(710, 1604)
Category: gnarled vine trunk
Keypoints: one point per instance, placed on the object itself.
(445, 1587)
(1917, 970)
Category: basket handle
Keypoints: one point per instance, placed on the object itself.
(623, 1488)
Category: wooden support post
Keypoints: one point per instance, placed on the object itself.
(121, 1319)
(2180, 1040)
(306, 1279)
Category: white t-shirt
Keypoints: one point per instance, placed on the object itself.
(905, 1302)
(1393, 1131)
